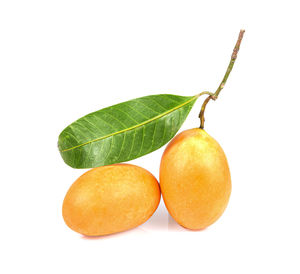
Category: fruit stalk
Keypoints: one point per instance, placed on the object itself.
(215, 95)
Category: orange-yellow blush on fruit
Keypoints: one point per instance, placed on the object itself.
(111, 199)
(195, 179)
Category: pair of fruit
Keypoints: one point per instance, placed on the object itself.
(194, 182)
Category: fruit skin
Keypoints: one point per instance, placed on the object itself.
(195, 179)
(111, 199)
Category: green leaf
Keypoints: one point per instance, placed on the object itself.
(124, 131)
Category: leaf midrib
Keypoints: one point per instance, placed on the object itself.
(133, 127)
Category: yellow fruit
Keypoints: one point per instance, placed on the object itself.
(195, 179)
(111, 199)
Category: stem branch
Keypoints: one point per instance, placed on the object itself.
(215, 95)
(205, 93)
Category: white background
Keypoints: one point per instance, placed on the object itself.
(60, 60)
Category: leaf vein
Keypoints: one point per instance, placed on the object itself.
(128, 157)
(133, 127)
(138, 111)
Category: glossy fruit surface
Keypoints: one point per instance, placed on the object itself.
(195, 179)
(111, 199)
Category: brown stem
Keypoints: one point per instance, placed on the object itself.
(201, 114)
(223, 82)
